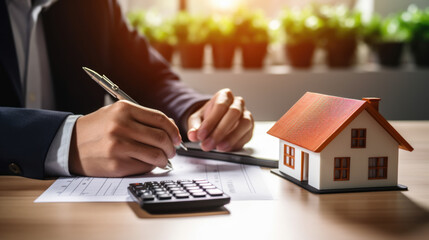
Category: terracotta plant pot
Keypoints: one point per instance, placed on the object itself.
(389, 54)
(340, 53)
(253, 54)
(191, 55)
(300, 54)
(420, 52)
(223, 55)
(166, 50)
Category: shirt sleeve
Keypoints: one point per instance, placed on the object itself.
(57, 159)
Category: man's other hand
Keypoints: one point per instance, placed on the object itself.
(223, 123)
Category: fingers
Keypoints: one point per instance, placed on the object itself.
(124, 167)
(233, 140)
(221, 102)
(227, 123)
(152, 137)
(194, 123)
(223, 123)
(154, 131)
(240, 136)
(140, 152)
(157, 119)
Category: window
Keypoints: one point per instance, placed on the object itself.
(377, 168)
(341, 168)
(289, 156)
(358, 138)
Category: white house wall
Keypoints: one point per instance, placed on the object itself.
(379, 143)
(313, 164)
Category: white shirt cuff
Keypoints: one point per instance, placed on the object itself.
(57, 160)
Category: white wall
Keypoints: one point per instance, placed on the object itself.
(313, 164)
(379, 143)
(269, 93)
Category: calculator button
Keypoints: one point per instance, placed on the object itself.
(142, 192)
(195, 190)
(189, 185)
(200, 180)
(208, 187)
(164, 196)
(178, 192)
(214, 192)
(199, 194)
(182, 195)
(148, 197)
(172, 185)
(162, 193)
(192, 188)
(184, 180)
(167, 182)
(205, 184)
(176, 189)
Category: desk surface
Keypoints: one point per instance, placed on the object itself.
(293, 214)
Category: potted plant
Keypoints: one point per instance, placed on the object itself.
(191, 32)
(340, 34)
(418, 21)
(301, 28)
(159, 32)
(222, 40)
(370, 30)
(389, 44)
(253, 37)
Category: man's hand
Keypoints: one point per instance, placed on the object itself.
(122, 139)
(223, 123)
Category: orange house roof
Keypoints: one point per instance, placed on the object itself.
(316, 119)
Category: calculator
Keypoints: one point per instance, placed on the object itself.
(177, 196)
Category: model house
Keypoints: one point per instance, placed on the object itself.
(333, 144)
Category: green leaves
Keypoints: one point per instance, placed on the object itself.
(252, 26)
(221, 29)
(392, 29)
(340, 22)
(412, 24)
(190, 28)
(417, 21)
(152, 26)
(310, 24)
(301, 25)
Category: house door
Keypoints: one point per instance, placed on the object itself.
(304, 166)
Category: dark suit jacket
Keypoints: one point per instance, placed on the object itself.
(79, 33)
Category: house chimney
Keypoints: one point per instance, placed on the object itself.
(373, 101)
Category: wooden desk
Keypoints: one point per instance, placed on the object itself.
(293, 214)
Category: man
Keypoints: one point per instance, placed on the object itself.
(116, 140)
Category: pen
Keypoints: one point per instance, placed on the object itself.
(117, 93)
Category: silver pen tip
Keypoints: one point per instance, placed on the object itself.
(183, 146)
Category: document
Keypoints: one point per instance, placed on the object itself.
(240, 182)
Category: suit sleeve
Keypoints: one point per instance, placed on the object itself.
(145, 75)
(25, 138)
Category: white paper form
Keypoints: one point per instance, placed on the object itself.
(240, 182)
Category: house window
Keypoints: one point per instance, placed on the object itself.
(377, 168)
(289, 156)
(341, 168)
(358, 138)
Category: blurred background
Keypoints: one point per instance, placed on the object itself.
(273, 51)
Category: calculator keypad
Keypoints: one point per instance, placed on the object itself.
(169, 195)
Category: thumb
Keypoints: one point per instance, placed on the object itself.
(194, 123)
